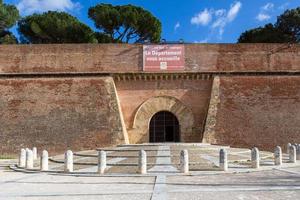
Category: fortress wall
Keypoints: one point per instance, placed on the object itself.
(260, 111)
(58, 114)
(88, 58)
(194, 94)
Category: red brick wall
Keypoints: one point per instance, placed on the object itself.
(58, 113)
(129, 58)
(258, 111)
(195, 94)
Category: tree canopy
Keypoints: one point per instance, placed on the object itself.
(9, 14)
(126, 23)
(285, 30)
(54, 27)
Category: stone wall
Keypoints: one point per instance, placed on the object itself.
(114, 58)
(59, 113)
(257, 111)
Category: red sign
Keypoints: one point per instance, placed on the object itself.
(164, 57)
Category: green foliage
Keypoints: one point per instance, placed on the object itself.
(266, 34)
(9, 14)
(289, 23)
(7, 37)
(54, 27)
(285, 30)
(126, 23)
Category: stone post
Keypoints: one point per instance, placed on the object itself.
(223, 160)
(184, 161)
(255, 158)
(142, 162)
(297, 151)
(22, 158)
(44, 161)
(29, 159)
(34, 151)
(69, 161)
(278, 156)
(288, 148)
(292, 154)
(101, 162)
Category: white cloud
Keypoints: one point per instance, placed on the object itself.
(262, 17)
(220, 18)
(30, 6)
(177, 26)
(223, 19)
(220, 12)
(264, 13)
(234, 10)
(202, 18)
(268, 6)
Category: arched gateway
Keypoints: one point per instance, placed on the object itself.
(164, 127)
(163, 119)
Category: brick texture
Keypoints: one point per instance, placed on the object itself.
(129, 58)
(258, 111)
(57, 114)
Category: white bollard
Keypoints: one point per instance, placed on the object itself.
(292, 154)
(44, 161)
(184, 161)
(288, 148)
(29, 159)
(142, 162)
(34, 151)
(22, 158)
(278, 156)
(101, 162)
(255, 158)
(223, 160)
(69, 161)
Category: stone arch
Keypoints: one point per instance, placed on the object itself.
(162, 103)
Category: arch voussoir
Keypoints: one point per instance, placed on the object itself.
(162, 103)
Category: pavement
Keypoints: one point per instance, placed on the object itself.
(162, 182)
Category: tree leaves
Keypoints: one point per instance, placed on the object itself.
(54, 27)
(8, 16)
(285, 30)
(126, 23)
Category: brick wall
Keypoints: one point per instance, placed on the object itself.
(258, 111)
(194, 94)
(114, 58)
(58, 113)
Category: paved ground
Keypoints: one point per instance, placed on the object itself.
(270, 183)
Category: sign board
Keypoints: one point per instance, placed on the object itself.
(163, 57)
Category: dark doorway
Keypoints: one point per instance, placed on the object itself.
(164, 127)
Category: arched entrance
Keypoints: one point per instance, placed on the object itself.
(164, 127)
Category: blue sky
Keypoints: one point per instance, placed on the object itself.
(205, 21)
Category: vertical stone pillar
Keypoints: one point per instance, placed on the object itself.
(288, 148)
(34, 151)
(22, 158)
(223, 160)
(292, 154)
(101, 162)
(255, 158)
(44, 161)
(29, 159)
(184, 161)
(142, 162)
(278, 156)
(69, 161)
(297, 151)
